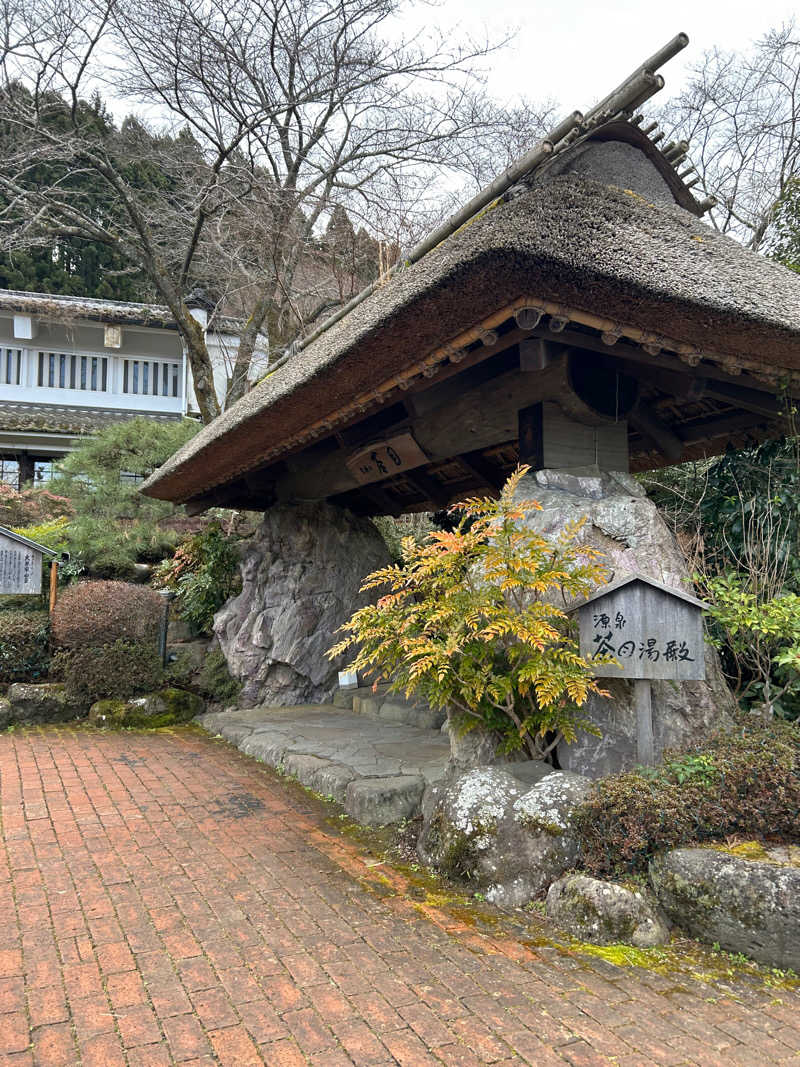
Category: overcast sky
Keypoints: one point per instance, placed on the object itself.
(575, 51)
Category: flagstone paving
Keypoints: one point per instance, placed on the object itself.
(368, 747)
(166, 899)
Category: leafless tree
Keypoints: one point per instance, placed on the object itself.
(284, 108)
(740, 113)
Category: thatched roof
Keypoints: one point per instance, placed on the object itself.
(582, 244)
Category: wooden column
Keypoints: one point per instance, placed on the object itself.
(645, 743)
(531, 436)
(27, 470)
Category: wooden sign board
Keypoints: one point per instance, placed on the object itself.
(385, 458)
(20, 566)
(654, 632)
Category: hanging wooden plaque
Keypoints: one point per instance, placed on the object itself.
(385, 458)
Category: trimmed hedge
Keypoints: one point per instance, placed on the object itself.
(115, 671)
(24, 645)
(744, 782)
(99, 613)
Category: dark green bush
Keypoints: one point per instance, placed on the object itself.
(746, 781)
(118, 670)
(212, 681)
(215, 682)
(97, 613)
(203, 574)
(24, 645)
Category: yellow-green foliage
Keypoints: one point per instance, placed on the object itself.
(470, 621)
(52, 534)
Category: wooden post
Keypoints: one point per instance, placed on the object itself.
(53, 584)
(645, 746)
(531, 436)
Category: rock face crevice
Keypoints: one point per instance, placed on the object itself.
(622, 523)
(301, 576)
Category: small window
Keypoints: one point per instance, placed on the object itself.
(9, 472)
(42, 470)
(60, 370)
(10, 365)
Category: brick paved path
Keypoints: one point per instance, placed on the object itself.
(166, 900)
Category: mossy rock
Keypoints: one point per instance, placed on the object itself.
(107, 712)
(743, 905)
(168, 707)
(606, 913)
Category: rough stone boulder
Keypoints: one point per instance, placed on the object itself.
(301, 576)
(168, 707)
(507, 841)
(626, 527)
(605, 913)
(46, 702)
(744, 905)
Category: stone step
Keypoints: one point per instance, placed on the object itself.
(394, 707)
(343, 698)
(376, 769)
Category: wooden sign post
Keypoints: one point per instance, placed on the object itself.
(21, 566)
(654, 633)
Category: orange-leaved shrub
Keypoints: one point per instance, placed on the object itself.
(99, 613)
(470, 621)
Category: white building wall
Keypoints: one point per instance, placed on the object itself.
(67, 364)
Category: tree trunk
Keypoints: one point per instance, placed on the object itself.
(200, 364)
(237, 386)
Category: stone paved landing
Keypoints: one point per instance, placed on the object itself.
(376, 769)
(167, 901)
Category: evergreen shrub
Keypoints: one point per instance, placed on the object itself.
(215, 681)
(117, 670)
(203, 574)
(24, 645)
(740, 782)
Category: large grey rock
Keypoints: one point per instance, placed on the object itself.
(380, 801)
(506, 840)
(743, 905)
(6, 713)
(605, 913)
(301, 576)
(47, 702)
(626, 527)
(475, 748)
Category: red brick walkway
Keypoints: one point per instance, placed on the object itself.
(166, 900)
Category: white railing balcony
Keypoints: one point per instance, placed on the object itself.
(92, 379)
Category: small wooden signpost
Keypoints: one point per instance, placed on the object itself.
(653, 632)
(21, 566)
